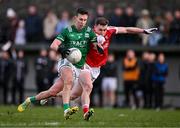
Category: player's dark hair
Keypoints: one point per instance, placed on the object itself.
(101, 21)
(82, 11)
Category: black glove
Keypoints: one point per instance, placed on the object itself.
(100, 50)
(64, 52)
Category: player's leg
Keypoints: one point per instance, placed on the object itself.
(76, 90)
(57, 87)
(86, 83)
(52, 91)
(67, 76)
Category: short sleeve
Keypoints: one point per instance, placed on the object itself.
(113, 30)
(62, 36)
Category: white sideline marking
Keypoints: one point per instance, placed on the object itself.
(30, 124)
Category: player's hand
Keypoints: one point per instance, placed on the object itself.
(100, 48)
(64, 52)
(100, 39)
(150, 30)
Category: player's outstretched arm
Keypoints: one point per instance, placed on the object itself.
(135, 30)
(55, 44)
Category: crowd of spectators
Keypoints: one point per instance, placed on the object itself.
(143, 81)
(14, 69)
(143, 78)
(35, 28)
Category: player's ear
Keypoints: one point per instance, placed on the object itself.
(75, 17)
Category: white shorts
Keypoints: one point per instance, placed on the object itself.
(94, 71)
(65, 63)
(109, 84)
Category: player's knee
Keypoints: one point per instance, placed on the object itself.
(86, 82)
(68, 84)
(87, 86)
(68, 80)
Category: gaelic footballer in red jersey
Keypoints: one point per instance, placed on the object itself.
(95, 59)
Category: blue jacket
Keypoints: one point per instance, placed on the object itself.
(160, 72)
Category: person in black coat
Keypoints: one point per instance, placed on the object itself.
(147, 81)
(19, 75)
(42, 71)
(5, 74)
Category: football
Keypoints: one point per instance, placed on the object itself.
(74, 55)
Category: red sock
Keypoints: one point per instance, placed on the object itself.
(85, 108)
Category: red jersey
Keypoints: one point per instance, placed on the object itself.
(94, 58)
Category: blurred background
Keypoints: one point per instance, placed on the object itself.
(154, 80)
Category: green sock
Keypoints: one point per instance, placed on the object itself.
(32, 99)
(65, 106)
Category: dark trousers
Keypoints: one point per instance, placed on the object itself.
(130, 87)
(159, 94)
(148, 96)
(96, 91)
(4, 85)
(18, 86)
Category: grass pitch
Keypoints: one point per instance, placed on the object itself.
(53, 117)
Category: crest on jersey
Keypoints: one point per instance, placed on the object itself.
(86, 35)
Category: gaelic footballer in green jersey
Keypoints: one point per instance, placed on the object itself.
(81, 39)
(84, 36)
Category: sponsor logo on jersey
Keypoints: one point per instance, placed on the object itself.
(79, 43)
(86, 35)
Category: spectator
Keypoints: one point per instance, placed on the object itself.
(159, 78)
(63, 22)
(168, 19)
(2, 31)
(175, 28)
(19, 75)
(100, 12)
(145, 22)
(130, 21)
(10, 25)
(33, 25)
(42, 71)
(148, 87)
(144, 77)
(5, 74)
(49, 26)
(117, 19)
(131, 77)
(96, 94)
(109, 82)
(155, 37)
(20, 38)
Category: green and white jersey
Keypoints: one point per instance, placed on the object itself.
(72, 38)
